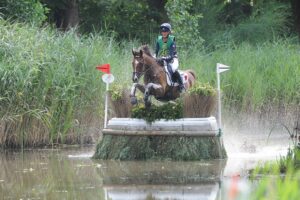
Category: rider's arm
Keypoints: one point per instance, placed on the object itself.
(156, 49)
(172, 52)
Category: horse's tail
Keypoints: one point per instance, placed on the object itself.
(192, 77)
(191, 72)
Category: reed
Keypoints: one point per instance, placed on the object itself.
(261, 77)
(50, 90)
(284, 182)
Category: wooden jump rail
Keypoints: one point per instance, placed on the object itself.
(200, 127)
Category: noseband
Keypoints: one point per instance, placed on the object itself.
(136, 73)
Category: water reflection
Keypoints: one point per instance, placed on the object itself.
(72, 174)
(161, 180)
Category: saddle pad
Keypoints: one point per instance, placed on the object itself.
(183, 76)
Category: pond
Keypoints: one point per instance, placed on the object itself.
(70, 173)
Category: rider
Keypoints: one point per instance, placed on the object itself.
(166, 51)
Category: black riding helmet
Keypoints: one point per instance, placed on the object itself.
(165, 27)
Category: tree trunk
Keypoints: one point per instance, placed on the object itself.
(296, 14)
(71, 14)
(67, 17)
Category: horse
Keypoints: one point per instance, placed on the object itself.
(155, 78)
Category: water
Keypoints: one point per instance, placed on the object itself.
(72, 174)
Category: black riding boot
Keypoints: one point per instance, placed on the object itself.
(179, 81)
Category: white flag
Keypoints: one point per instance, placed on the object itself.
(222, 68)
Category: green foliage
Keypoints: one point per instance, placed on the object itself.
(261, 76)
(202, 89)
(209, 24)
(116, 92)
(125, 19)
(268, 20)
(239, 21)
(166, 111)
(286, 164)
(286, 188)
(282, 187)
(124, 147)
(52, 76)
(185, 22)
(31, 11)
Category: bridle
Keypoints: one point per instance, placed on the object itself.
(137, 74)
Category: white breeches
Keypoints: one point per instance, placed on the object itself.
(174, 64)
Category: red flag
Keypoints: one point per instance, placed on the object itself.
(104, 68)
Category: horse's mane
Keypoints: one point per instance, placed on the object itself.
(150, 60)
(146, 50)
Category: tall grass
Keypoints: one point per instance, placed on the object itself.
(278, 185)
(260, 76)
(50, 91)
(286, 188)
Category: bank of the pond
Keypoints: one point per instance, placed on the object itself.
(284, 181)
(51, 92)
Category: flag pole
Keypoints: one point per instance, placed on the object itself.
(219, 100)
(106, 105)
(219, 69)
(107, 78)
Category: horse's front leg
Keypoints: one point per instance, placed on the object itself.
(152, 89)
(133, 99)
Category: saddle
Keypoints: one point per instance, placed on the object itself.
(170, 79)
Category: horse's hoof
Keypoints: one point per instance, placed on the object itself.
(133, 100)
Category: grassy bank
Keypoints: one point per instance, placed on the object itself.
(50, 90)
(279, 180)
(51, 93)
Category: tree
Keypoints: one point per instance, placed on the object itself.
(296, 14)
(31, 11)
(185, 22)
(135, 19)
(64, 13)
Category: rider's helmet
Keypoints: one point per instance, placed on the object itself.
(165, 27)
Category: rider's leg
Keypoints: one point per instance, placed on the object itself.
(177, 76)
(179, 80)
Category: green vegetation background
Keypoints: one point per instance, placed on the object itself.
(51, 93)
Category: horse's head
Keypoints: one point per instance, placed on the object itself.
(137, 65)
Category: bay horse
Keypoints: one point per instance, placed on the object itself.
(155, 78)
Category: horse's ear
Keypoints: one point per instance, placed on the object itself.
(141, 53)
(133, 52)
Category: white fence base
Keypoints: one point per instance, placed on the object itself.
(184, 127)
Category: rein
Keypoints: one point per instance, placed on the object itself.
(143, 67)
